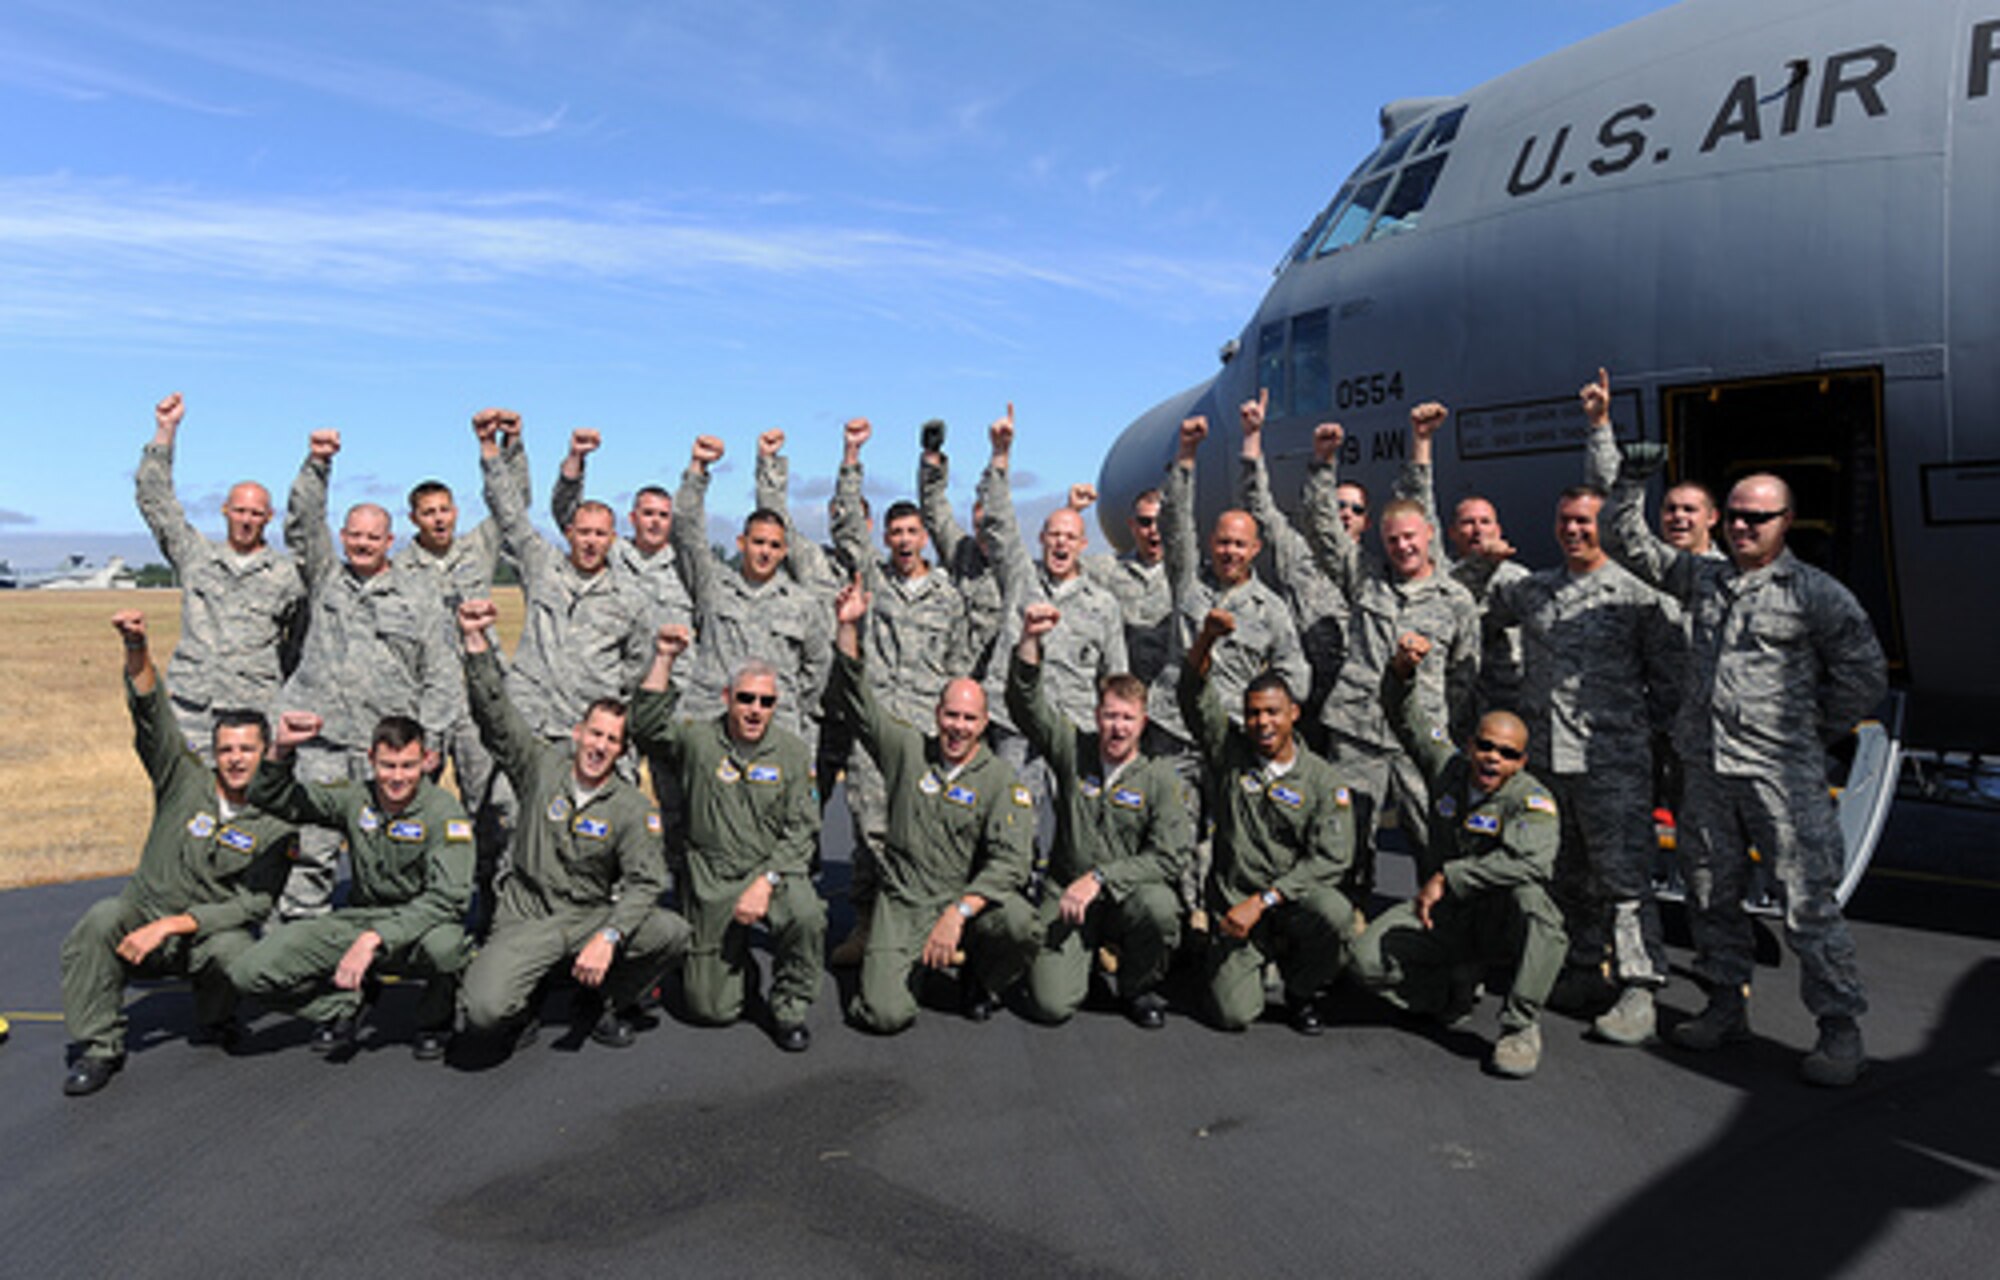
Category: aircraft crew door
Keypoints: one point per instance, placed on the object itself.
(1822, 432)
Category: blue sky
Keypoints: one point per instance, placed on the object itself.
(658, 219)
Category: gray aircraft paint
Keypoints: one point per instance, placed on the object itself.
(1766, 199)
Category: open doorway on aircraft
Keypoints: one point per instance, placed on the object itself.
(1822, 432)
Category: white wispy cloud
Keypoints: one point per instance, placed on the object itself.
(27, 65)
(345, 253)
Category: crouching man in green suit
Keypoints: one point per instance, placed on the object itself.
(753, 819)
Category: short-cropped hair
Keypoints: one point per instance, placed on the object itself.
(395, 733)
(1122, 684)
(426, 489)
(1266, 680)
(237, 718)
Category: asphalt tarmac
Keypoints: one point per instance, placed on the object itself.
(1014, 1149)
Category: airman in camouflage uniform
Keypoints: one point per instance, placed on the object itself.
(918, 641)
(1600, 648)
(1481, 566)
(1483, 876)
(1090, 645)
(1284, 835)
(955, 862)
(586, 634)
(1123, 841)
(242, 603)
(1783, 663)
(755, 612)
(376, 645)
(411, 847)
(973, 568)
(1402, 593)
(586, 873)
(463, 567)
(1319, 612)
(1138, 579)
(210, 871)
(753, 821)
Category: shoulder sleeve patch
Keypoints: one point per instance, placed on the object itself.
(1022, 798)
(457, 831)
(1539, 803)
(653, 823)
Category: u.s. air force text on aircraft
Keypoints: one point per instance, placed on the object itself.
(1835, 88)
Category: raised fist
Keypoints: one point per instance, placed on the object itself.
(1596, 397)
(1426, 418)
(296, 728)
(167, 413)
(707, 450)
(584, 441)
(1252, 411)
(672, 640)
(131, 624)
(1327, 439)
(474, 616)
(856, 432)
(1640, 459)
(1081, 496)
(1218, 623)
(771, 443)
(851, 605)
(1411, 649)
(323, 444)
(1193, 431)
(1037, 620)
(1001, 433)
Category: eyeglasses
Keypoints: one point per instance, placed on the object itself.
(1755, 519)
(745, 698)
(1501, 749)
(1145, 522)
(1358, 508)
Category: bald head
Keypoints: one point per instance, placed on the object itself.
(961, 720)
(247, 510)
(1062, 543)
(1233, 547)
(1498, 750)
(1756, 520)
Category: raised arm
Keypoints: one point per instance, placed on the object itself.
(505, 499)
(1427, 744)
(501, 727)
(850, 527)
(1290, 551)
(1012, 561)
(1046, 729)
(567, 492)
(306, 533)
(1207, 719)
(155, 735)
(1626, 537)
(694, 560)
(934, 500)
(276, 788)
(1336, 552)
(848, 696)
(1177, 531)
(805, 559)
(154, 485)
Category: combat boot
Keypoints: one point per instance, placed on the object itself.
(1631, 1021)
(1837, 1060)
(1517, 1053)
(1726, 1020)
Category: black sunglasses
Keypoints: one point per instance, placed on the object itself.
(765, 700)
(1358, 508)
(1145, 522)
(1500, 749)
(1755, 519)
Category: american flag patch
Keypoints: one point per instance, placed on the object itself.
(1542, 804)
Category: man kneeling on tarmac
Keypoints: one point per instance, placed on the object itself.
(587, 869)
(1482, 891)
(411, 848)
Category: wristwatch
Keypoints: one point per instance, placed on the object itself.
(1097, 875)
(774, 878)
(965, 909)
(611, 935)
(1269, 898)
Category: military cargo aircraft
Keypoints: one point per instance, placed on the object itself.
(1773, 220)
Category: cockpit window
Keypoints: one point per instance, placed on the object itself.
(1442, 130)
(1407, 201)
(1392, 198)
(1351, 221)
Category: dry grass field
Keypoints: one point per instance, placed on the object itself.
(73, 799)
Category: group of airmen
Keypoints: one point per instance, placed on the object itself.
(1213, 753)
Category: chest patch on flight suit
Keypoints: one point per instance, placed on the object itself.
(1126, 798)
(202, 826)
(238, 839)
(457, 830)
(769, 774)
(1022, 798)
(595, 828)
(368, 820)
(929, 784)
(1090, 787)
(727, 772)
(962, 795)
(1483, 823)
(1447, 807)
(558, 808)
(653, 823)
(1285, 796)
(407, 831)
(1437, 734)
(1252, 784)
(1343, 797)
(1541, 804)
